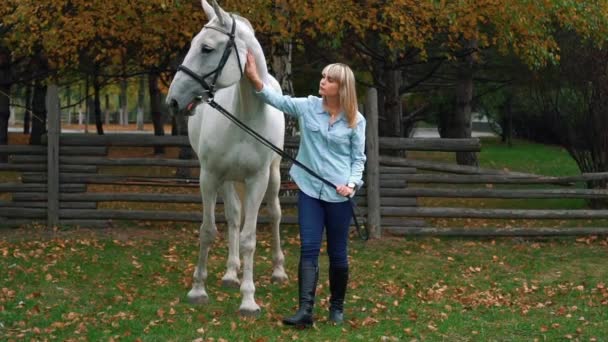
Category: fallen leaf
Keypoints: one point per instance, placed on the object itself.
(369, 321)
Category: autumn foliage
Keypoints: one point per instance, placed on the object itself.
(148, 33)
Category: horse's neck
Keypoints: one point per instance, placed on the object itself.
(248, 103)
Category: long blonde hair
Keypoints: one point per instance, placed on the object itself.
(348, 93)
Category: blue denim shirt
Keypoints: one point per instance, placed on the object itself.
(336, 152)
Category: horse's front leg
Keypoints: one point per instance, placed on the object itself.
(255, 189)
(207, 233)
(232, 210)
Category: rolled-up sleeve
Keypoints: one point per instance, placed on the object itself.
(358, 157)
(293, 106)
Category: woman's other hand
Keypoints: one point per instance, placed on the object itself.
(345, 191)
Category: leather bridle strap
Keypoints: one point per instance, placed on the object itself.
(230, 45)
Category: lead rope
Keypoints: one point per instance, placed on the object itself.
(361, 230)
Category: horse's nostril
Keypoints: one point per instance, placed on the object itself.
(173, 107)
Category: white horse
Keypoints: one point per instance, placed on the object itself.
(226, 153)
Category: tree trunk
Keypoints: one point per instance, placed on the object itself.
(599, 123)
(507, 120)
(87, 107)
(106, 112)
(27, 114)
(141, 95)
(5, 100)
(88, 113)
(461, 125)
(68, 95)
(124, 114)
(5, 113)
(97, 105)
(390, 109)
(38, 113)
(155, 109)
(389, 103)
(382, 117)
(392, 103)
(280, 66)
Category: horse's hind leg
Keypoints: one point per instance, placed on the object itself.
(255, 189)
(274, 210)
(232, 210)
(208, 231)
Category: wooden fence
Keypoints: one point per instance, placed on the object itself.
(59, 184)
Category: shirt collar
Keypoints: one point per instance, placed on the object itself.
(321, 111)
(340, 115)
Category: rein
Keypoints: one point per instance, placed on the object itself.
(209, 88)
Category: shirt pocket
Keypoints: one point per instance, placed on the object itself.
(339, 141)
(312, 126)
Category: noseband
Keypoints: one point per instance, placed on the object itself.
(210, 88)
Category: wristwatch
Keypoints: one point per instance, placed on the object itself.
(353, 187)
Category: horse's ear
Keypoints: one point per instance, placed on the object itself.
(219, 12)
(209, 12)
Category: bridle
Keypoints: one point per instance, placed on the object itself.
(230, 45)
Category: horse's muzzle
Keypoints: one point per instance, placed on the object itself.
(188, 110)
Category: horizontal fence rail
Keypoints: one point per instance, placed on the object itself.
(505, 194)
(497, 213)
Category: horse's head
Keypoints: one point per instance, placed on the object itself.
(216, 59)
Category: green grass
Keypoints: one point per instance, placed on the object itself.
(522, 156)
(525, 156)
(131, 284)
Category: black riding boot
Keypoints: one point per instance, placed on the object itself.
(308, 275)
(338, 279)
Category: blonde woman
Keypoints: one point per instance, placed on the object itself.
(332, 143)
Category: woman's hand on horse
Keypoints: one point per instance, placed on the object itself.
(251, 71)
(344, 190)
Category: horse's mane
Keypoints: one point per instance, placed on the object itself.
(245, 20)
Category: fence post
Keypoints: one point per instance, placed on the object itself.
(54, 128)
(373, 164)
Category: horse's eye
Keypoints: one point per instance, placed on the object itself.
(206, 49)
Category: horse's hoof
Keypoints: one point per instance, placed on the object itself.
(198, 298)
(279, 279)
(254, 313)
(231, 283)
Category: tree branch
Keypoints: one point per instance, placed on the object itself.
(427, 76)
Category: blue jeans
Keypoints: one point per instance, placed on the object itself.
(313, 216)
